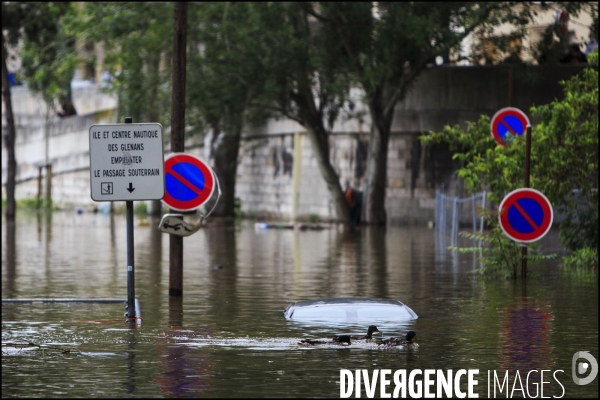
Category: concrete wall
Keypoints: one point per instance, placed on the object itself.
(270, 181)
(68, 144)
(266, 179)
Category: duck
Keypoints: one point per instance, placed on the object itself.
(342, 340)
(406, 342)
(368, 336)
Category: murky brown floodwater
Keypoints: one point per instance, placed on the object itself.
(228, 336)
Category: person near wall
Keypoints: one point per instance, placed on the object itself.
(354, 201)
(575, 55)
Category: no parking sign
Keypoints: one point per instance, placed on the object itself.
(189, 182)
(525, 215)
(507, 124)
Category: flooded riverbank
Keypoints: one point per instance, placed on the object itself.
(227, 336)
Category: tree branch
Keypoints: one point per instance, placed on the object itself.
(311, 11)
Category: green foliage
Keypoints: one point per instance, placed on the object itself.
(581, 265)
(584, 258)
(48, 45)
(225, 71)
(252, 214)
(486, 165)
(238, 208)
(567, 147)
(564, 157)
(314, 218)
(500, 256)
(141, 209)
(138, 38)
(32, 203)
(29, 203)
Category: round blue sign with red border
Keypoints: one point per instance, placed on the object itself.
(507, 124)
(525, 215)
(189, 182)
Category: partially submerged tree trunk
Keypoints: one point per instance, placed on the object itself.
(224, 150)
(9, 140)
(320, 144)
(377, 161)
(312, 119)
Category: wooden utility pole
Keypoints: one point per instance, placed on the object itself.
(178, 135)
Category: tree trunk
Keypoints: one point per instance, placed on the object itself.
(377, 163)
(320, 144)
(312, 120)
(9, 140)
(224, 149)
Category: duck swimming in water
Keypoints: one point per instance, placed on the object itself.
(406, 342)
(369, 335)
(343, 340)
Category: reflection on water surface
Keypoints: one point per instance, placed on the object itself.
(227, 336)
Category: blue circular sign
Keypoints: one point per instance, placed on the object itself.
(525, 215)
(507, 124)
(189, 182)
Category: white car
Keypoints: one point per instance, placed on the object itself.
(349, 310)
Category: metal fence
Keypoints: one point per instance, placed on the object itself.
(452, 213)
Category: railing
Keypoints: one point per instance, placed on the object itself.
(451, 213)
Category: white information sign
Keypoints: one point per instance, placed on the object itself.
(127, 162)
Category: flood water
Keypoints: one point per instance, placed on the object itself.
(227, 336)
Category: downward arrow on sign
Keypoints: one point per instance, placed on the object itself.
(130, 188)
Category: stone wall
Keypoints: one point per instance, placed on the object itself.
(266, 180)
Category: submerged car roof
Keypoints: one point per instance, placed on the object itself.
(350, 309)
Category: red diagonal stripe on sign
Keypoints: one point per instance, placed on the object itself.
(508, 127)
(185, 182)
(525, 215)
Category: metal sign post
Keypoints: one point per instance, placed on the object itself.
(130, 258)
(527, 165)
(525, 215)
(126, 163)
(507, 124)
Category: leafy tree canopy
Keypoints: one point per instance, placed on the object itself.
(138, 38)
(48, 45)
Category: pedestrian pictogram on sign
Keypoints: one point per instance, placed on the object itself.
(189, 182)
(507, 124)
(525, 215)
